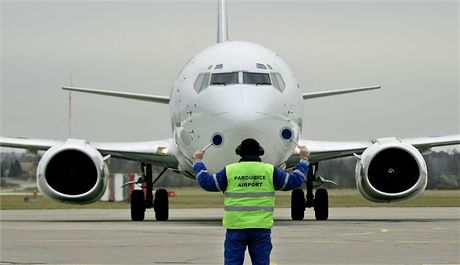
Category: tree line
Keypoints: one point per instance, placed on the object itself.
(443, 170)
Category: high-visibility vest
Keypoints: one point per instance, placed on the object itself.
(250, 196)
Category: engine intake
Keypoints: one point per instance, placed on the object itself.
(73, 172)
(391, 170)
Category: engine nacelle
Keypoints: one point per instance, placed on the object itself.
(73, 172)
(391, 170)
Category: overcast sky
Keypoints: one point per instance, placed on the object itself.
(411, 48)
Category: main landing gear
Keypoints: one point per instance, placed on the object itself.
(319, 202)
(140, 201)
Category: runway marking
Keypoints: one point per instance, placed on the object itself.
(66, 240)
(427, 241)
(441, 263)
(358, 234)
(10, 263)
(382, 230)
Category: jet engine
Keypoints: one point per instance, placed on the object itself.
(73, 172)
(391, 170)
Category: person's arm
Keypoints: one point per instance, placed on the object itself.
(288, 181)
(207, 181)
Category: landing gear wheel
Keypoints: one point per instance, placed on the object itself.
(137, 205)
(321, 203)
(161, 205)
(297, 204)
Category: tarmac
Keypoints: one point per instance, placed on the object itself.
(195, 236)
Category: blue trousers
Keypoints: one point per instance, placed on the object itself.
(258, 241)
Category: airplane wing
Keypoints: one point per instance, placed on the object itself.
(156, 152)
(159, 152)
(142, 97)
(325, 150)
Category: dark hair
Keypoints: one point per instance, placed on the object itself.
(249, 146)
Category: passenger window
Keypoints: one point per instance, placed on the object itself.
(256, 78)
(224, 78)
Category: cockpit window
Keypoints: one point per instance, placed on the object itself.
(201, 82)
(274, 81)
(249, 78)
(224, 78)
(256, 78)
(278, 81)
(260, 66)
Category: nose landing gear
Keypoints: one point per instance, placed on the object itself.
(140, 201)
(319, 202)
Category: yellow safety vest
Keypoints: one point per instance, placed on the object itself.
(250, 196)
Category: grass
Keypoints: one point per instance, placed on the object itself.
(196, 198)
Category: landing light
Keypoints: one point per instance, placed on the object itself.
(163, 151)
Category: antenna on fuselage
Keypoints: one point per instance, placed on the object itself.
(222, 29)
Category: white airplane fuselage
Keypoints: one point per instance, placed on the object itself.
(228, 92)
(237, 108)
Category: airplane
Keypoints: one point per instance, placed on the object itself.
(228, 92)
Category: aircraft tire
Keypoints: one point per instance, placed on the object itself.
(161, 205)
(321, 204)
(137, 205)
(297, 204)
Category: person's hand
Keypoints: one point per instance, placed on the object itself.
(304, 152)
(198, 154)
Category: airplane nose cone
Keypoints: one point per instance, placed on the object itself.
(245, 103)
(242, 117)
(244, 112)
(238, 112)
